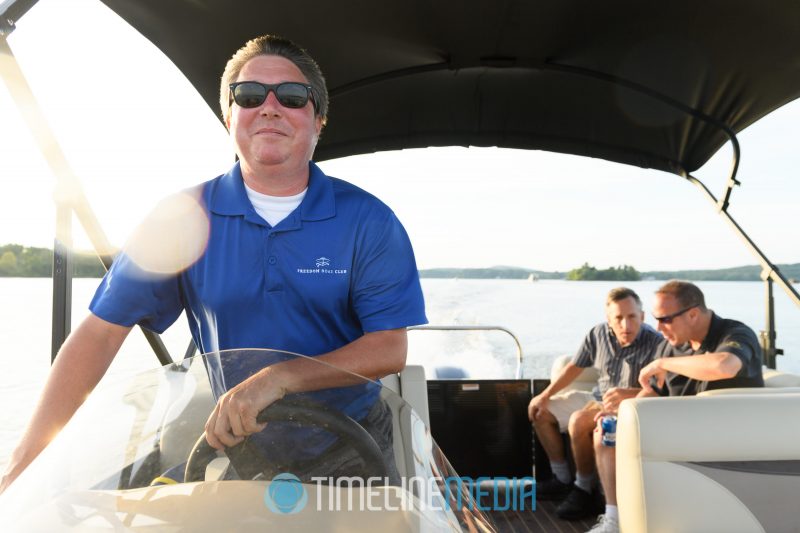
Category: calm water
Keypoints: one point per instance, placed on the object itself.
(549, 318)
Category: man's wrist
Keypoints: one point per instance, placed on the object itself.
(545, 394)
(278, 379)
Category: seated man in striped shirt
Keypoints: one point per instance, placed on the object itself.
(618, 349)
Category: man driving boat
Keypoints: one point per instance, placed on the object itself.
(295, 261)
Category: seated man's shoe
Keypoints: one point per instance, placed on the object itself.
(580, 504)
(552, 489)
(605, 524)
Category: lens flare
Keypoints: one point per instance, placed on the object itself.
(172, 237)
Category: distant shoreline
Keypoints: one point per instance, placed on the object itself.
(743, 273)
(17, 261)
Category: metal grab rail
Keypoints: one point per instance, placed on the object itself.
(479, 328)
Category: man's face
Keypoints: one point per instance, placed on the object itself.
(271, 135)
(677, 329)
(625, 318)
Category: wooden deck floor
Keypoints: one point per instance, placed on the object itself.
(543, 520)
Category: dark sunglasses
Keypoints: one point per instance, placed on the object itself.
(669, 318)
(290, 94)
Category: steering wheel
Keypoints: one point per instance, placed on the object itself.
(249, 461)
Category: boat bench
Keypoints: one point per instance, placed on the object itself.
(411, 386)
(585, 381)
(725, 460)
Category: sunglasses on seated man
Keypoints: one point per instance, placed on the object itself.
(291, 94)
(667, 319)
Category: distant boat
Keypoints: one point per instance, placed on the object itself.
(533, 277)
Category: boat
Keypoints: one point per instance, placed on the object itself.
(654, 85)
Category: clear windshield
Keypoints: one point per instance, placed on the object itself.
(353, 456)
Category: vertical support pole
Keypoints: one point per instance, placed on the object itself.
(769, 335)
(70, 199)
(62, 280)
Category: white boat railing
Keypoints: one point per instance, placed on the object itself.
(429, 327)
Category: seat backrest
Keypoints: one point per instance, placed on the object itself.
(586, 380)
(412, 386)
(708, 463)
(749, 390)
(775, 378)
(409, 384)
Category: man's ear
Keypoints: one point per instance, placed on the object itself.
(318, 125)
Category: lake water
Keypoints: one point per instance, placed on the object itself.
(550, 318)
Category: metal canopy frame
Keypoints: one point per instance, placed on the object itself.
(70, 200)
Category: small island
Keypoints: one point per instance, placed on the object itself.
(589, 273)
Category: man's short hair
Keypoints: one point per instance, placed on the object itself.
(620, 293)
(271, 45)
(687, 294)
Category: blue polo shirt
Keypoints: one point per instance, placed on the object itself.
(338, 266)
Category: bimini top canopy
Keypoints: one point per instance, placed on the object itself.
(646, 83)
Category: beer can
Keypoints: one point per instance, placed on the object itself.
(609, 428)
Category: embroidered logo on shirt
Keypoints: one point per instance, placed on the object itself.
(321, 263)
(733, 344)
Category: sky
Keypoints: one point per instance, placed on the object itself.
(134, 131)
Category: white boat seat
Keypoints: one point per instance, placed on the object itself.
(586, 380)
(750, 390)
(775, 378)
(774, 382)
(709, 463)
(411, 386)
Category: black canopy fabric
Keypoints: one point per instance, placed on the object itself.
(617, 79)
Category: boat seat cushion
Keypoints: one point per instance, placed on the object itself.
(411, 386)
(737, 454)
(775, 378)
(586, 380)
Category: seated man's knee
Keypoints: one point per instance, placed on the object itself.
(545, 420)
(582, 421)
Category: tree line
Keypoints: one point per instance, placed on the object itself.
(589, 273)
(17, 261)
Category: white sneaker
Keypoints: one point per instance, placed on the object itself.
(605, 525)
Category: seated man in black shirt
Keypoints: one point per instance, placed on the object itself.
(701, 351)
(704, 351)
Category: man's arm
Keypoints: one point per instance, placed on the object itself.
(614, 395)
(81, 362)
(540, 402)
(704, 367)
(372, 355)
(640, 393)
